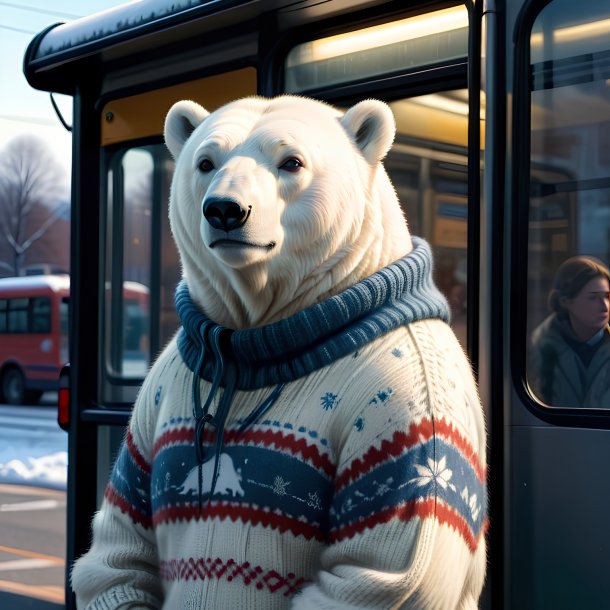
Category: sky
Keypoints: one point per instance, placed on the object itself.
(24, 110)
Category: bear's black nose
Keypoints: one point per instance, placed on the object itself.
(225, 214)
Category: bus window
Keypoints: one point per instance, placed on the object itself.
(412, 43)
(41, 315)
(129, 256)
(568, 364)
(33, 341)
(18, 315)
(142, 267)
(428, 167)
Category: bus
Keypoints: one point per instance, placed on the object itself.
(501, 161)
(33, 336)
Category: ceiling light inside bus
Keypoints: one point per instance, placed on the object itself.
(441, 102)
(446, 20)
(574, 33)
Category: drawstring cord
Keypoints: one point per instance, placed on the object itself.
(262, 408)
(224, 370)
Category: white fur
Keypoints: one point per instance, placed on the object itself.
(333, 222)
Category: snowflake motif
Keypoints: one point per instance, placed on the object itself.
(359, 424)
(396, 352)
(434, 472)
(279, 486)
(313, 500)
(329, 401)
(381, 397)
(158, 395)
(347, 506)
(384, 488)
(472, 502)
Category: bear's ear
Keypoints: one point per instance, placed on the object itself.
(372, 125)
(182, 119)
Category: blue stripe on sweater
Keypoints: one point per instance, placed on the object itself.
(250, 475)
(428, 470)
(131, 482)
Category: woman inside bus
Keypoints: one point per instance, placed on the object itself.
(569, 361)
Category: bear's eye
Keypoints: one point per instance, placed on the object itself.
(291, 165)
(205, 165)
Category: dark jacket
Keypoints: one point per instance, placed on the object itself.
(558, 375)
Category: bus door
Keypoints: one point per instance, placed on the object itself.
(557, 430)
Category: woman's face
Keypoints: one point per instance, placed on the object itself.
(589, 309)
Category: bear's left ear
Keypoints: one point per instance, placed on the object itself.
(372, 125)
(182, 119)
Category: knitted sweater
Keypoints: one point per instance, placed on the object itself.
(334, 460)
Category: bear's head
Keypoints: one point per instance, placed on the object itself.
(277, 204)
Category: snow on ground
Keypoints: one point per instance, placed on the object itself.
(33, 449)
(43, 471)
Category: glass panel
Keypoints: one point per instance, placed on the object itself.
(568, 362)
(18, 315)
(143, 261)
(41, 315)
(3, 315)
(428, 166)
(64, 325)
(402, 45)
(137, 166)
(170, 259)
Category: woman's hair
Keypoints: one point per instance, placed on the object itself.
(571, 277)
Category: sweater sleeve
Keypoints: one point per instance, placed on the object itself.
(408, 515)
(120, 571)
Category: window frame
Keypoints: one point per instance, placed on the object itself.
(520, 190)
(112, 258)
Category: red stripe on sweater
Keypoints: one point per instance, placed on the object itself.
(202, 568)
(279, 440)
(175, 435)
(137, 457)
(445, 429)
(275, 439)
(403, 441)
(423, 509)
(237, 512)
(116, 499)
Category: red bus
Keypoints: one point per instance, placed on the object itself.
(33, 335)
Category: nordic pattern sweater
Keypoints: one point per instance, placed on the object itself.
(335, 460)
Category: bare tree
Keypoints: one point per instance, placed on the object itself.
(30, 178)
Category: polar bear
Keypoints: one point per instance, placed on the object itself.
(315, 356)
(257, 183)
(228, 478)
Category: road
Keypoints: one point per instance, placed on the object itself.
(32, 518)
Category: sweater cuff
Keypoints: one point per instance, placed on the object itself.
(123, 597)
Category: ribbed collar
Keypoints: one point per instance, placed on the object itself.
(289, 349)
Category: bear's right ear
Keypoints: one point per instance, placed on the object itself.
(372, 125)
(182, 119)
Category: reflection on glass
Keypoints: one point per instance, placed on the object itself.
(428, 167)
(410, 43)
(142, 264)
(569, 204)
(569, 360)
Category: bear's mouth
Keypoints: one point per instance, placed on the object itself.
(237, 243)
